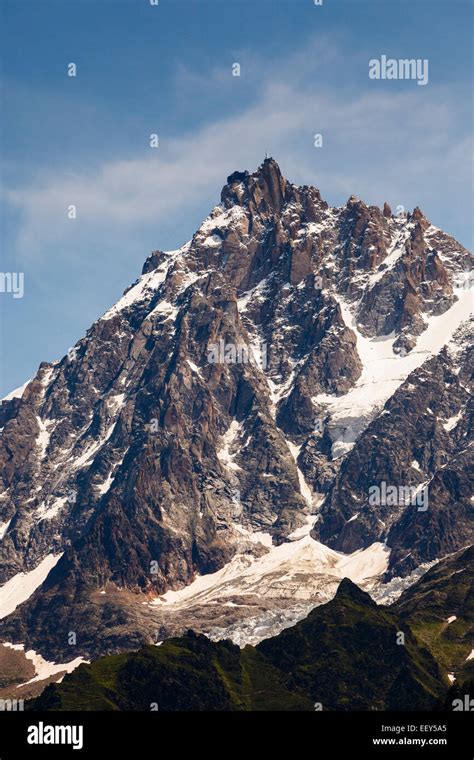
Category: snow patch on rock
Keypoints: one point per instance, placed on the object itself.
(43, 668)
(19, 588)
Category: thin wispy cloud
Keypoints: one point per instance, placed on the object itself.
(157, 185)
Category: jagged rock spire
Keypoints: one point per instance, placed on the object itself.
(265, 188)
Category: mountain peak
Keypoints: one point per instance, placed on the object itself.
(419, 217)
(180, 439)
(265, 188)
(349, 590)
(268, 165)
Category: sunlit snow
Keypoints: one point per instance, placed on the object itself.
(44, 668)
(19, 588)
(383, 371)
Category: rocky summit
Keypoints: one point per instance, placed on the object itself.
(215, 453)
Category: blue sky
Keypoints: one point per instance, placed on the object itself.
(143, 69)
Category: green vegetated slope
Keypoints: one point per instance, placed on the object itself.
(186, 673)
(428, 607)
(346, 655)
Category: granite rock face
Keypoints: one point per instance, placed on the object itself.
(249, 387)
(422, 440)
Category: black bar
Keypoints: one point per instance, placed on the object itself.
(217, 734)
